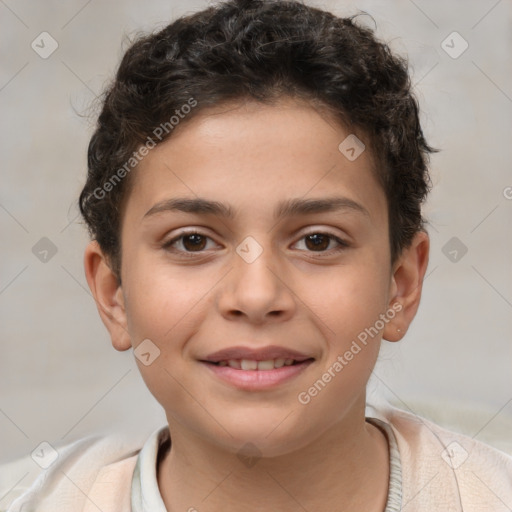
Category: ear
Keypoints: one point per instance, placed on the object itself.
(108, 295)
(406, 286)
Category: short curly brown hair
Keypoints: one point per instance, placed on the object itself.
(261, 50)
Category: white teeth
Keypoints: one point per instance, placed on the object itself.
(249, 364)
(266, 365)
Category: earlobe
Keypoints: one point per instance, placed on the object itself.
(108, 295)
(406, 285)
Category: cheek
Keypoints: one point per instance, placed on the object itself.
(160, 298)
(165, 306)
(351, 298)
(350, 308)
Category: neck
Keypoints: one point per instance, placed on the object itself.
(345, 469)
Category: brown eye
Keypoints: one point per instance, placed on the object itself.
(320, 242)
(188, 243)
(194, 242)
(317, 241)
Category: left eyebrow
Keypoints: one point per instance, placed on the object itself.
(295, 207)
(288, 208)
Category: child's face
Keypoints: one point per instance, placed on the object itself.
(299, 294)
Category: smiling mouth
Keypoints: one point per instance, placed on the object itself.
(251, 364)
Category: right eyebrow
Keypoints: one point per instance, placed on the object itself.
(192, 205)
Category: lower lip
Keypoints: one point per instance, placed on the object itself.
(256, 380)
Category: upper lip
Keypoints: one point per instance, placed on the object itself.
(260, 354)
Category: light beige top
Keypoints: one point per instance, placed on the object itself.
(432, 469)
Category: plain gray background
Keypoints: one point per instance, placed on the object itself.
(60, 379)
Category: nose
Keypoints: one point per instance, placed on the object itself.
(257, 291)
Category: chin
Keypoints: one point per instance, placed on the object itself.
(256, 437)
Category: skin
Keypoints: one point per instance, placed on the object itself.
(252, 157)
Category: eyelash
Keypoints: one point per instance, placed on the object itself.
(190, 254)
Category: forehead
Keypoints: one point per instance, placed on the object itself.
(257, 155)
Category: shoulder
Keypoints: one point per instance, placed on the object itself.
(89, 471)
(441, 468)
